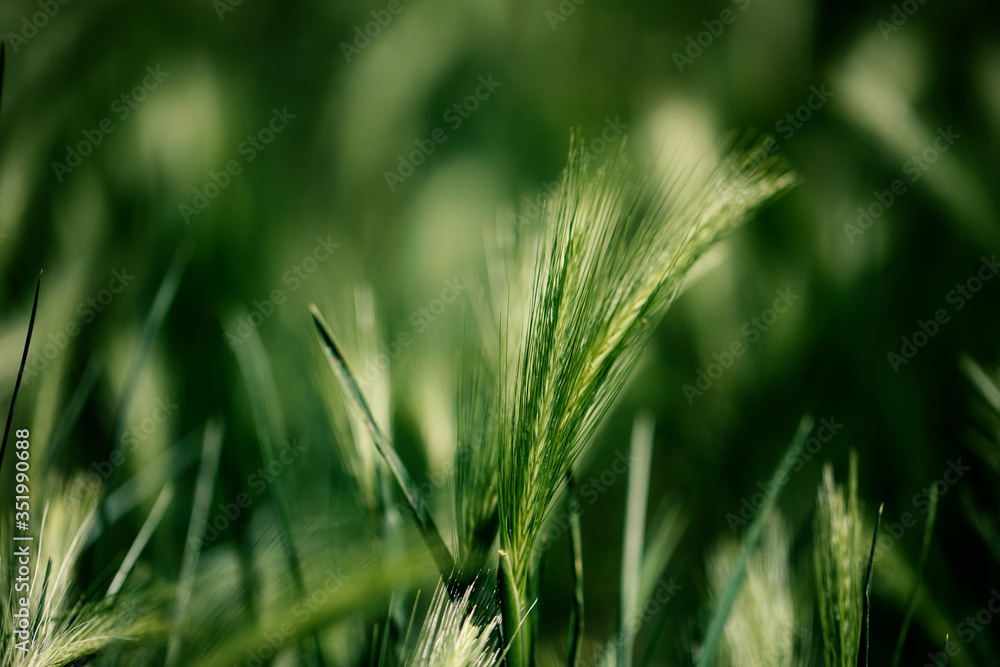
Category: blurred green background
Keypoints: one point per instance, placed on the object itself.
(356, 106)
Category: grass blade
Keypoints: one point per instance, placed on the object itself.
(713, 636)
(944, 654)
(3, 61)
(442, 556)
(154, 321)
(374, 644)
(641, 455)
(657, 629)
(146, 532)
(867, 600)
(912, 598)
(662, 542)
(41, 600)
(986, 386)
(211, 450)
(20, 371)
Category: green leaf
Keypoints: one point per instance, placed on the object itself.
(641, 456)
(714, 633)
(24, 356)
(429, 530)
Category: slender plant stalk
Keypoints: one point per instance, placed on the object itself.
(911, 601)
(141, 539)
(614, 254)
(944, 654)
(514, 631)
(41, 599)
(162, 302)
(986, 386)
(536, 575)
(211, 450)
(867, 601)
(576, 612)
(3, 60)
(665, 538)
(641, 457)
(27, 344)
(717, 625)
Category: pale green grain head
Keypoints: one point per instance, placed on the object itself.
(766, 628)
(456, 633)
(841, 556)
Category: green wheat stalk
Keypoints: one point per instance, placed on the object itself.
(838, 553)
(614, 254)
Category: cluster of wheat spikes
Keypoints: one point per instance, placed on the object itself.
(561, 321)
(564, 318)
(613, 256)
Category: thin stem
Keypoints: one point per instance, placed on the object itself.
(576, 556)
